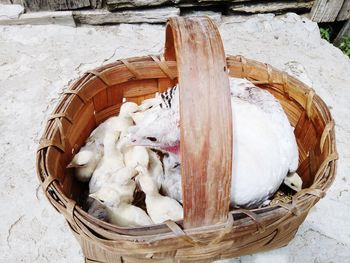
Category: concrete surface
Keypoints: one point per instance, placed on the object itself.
(38, 62)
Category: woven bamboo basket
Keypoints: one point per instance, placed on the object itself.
(194, 57)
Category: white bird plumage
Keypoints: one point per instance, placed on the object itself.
(123, 121)
(171, 181)
(122, 182)
(115, 124)
(145, 105)
(136, 155)
(160, 208)
(265, 148)
(110, 163)
(265, 153)
(86, 160)
(155, 168)
(127, 109)
(121, 213)
(96, 209)
(293, 181)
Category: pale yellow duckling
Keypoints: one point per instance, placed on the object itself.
(119, 124)
(85, 162)
(120, 213)
(136, 155)
(123, 182)
(146, 105)
(293, 181)
(110, 163)
(160, 208)
(155, 168)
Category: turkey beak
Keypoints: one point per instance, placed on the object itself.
(70, 165)
(73, 165)
(298, 188)
(134, 176)
(93, 195)
(138, 185)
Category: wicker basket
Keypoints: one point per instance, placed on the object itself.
(194, 52)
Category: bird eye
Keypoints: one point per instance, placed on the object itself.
(152, 139)
(102, 201)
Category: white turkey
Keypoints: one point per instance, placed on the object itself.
(265, 148)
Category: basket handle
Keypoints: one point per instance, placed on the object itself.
(205, 118)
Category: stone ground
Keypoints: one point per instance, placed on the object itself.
(38, 62)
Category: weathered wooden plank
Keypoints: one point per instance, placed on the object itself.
(36, 5)
(68, 4)
(216, 16)
(118, 4)
(344, 12)
(96, 3)
(58, 5)
(42, 18)
(326, 10)
(344, 32)
(39, 5)
(268, 7)
(100, 17)
(208, 3)
(223, 1)
(17, 2)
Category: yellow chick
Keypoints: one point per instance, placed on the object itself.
(136, 155)
(119, 213)
(160, 208)
(110, 163)
(155, 168)
(293, 181)
(85, 161)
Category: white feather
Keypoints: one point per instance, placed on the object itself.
(136, 155)
(85, 161)
(122, 182)
(110, 163)
(171, 182)
(293, 181)
(120, 213)
(127, 215)
(265, 148)
(155, 168)
(159, 208)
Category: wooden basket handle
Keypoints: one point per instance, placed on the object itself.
(205, 118)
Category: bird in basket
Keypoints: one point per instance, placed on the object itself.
(265, 149)
(121, 213)
(111, 162)
(159, 207)
(87, 159)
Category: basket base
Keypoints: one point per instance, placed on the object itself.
(271, 238)
(95, 254)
